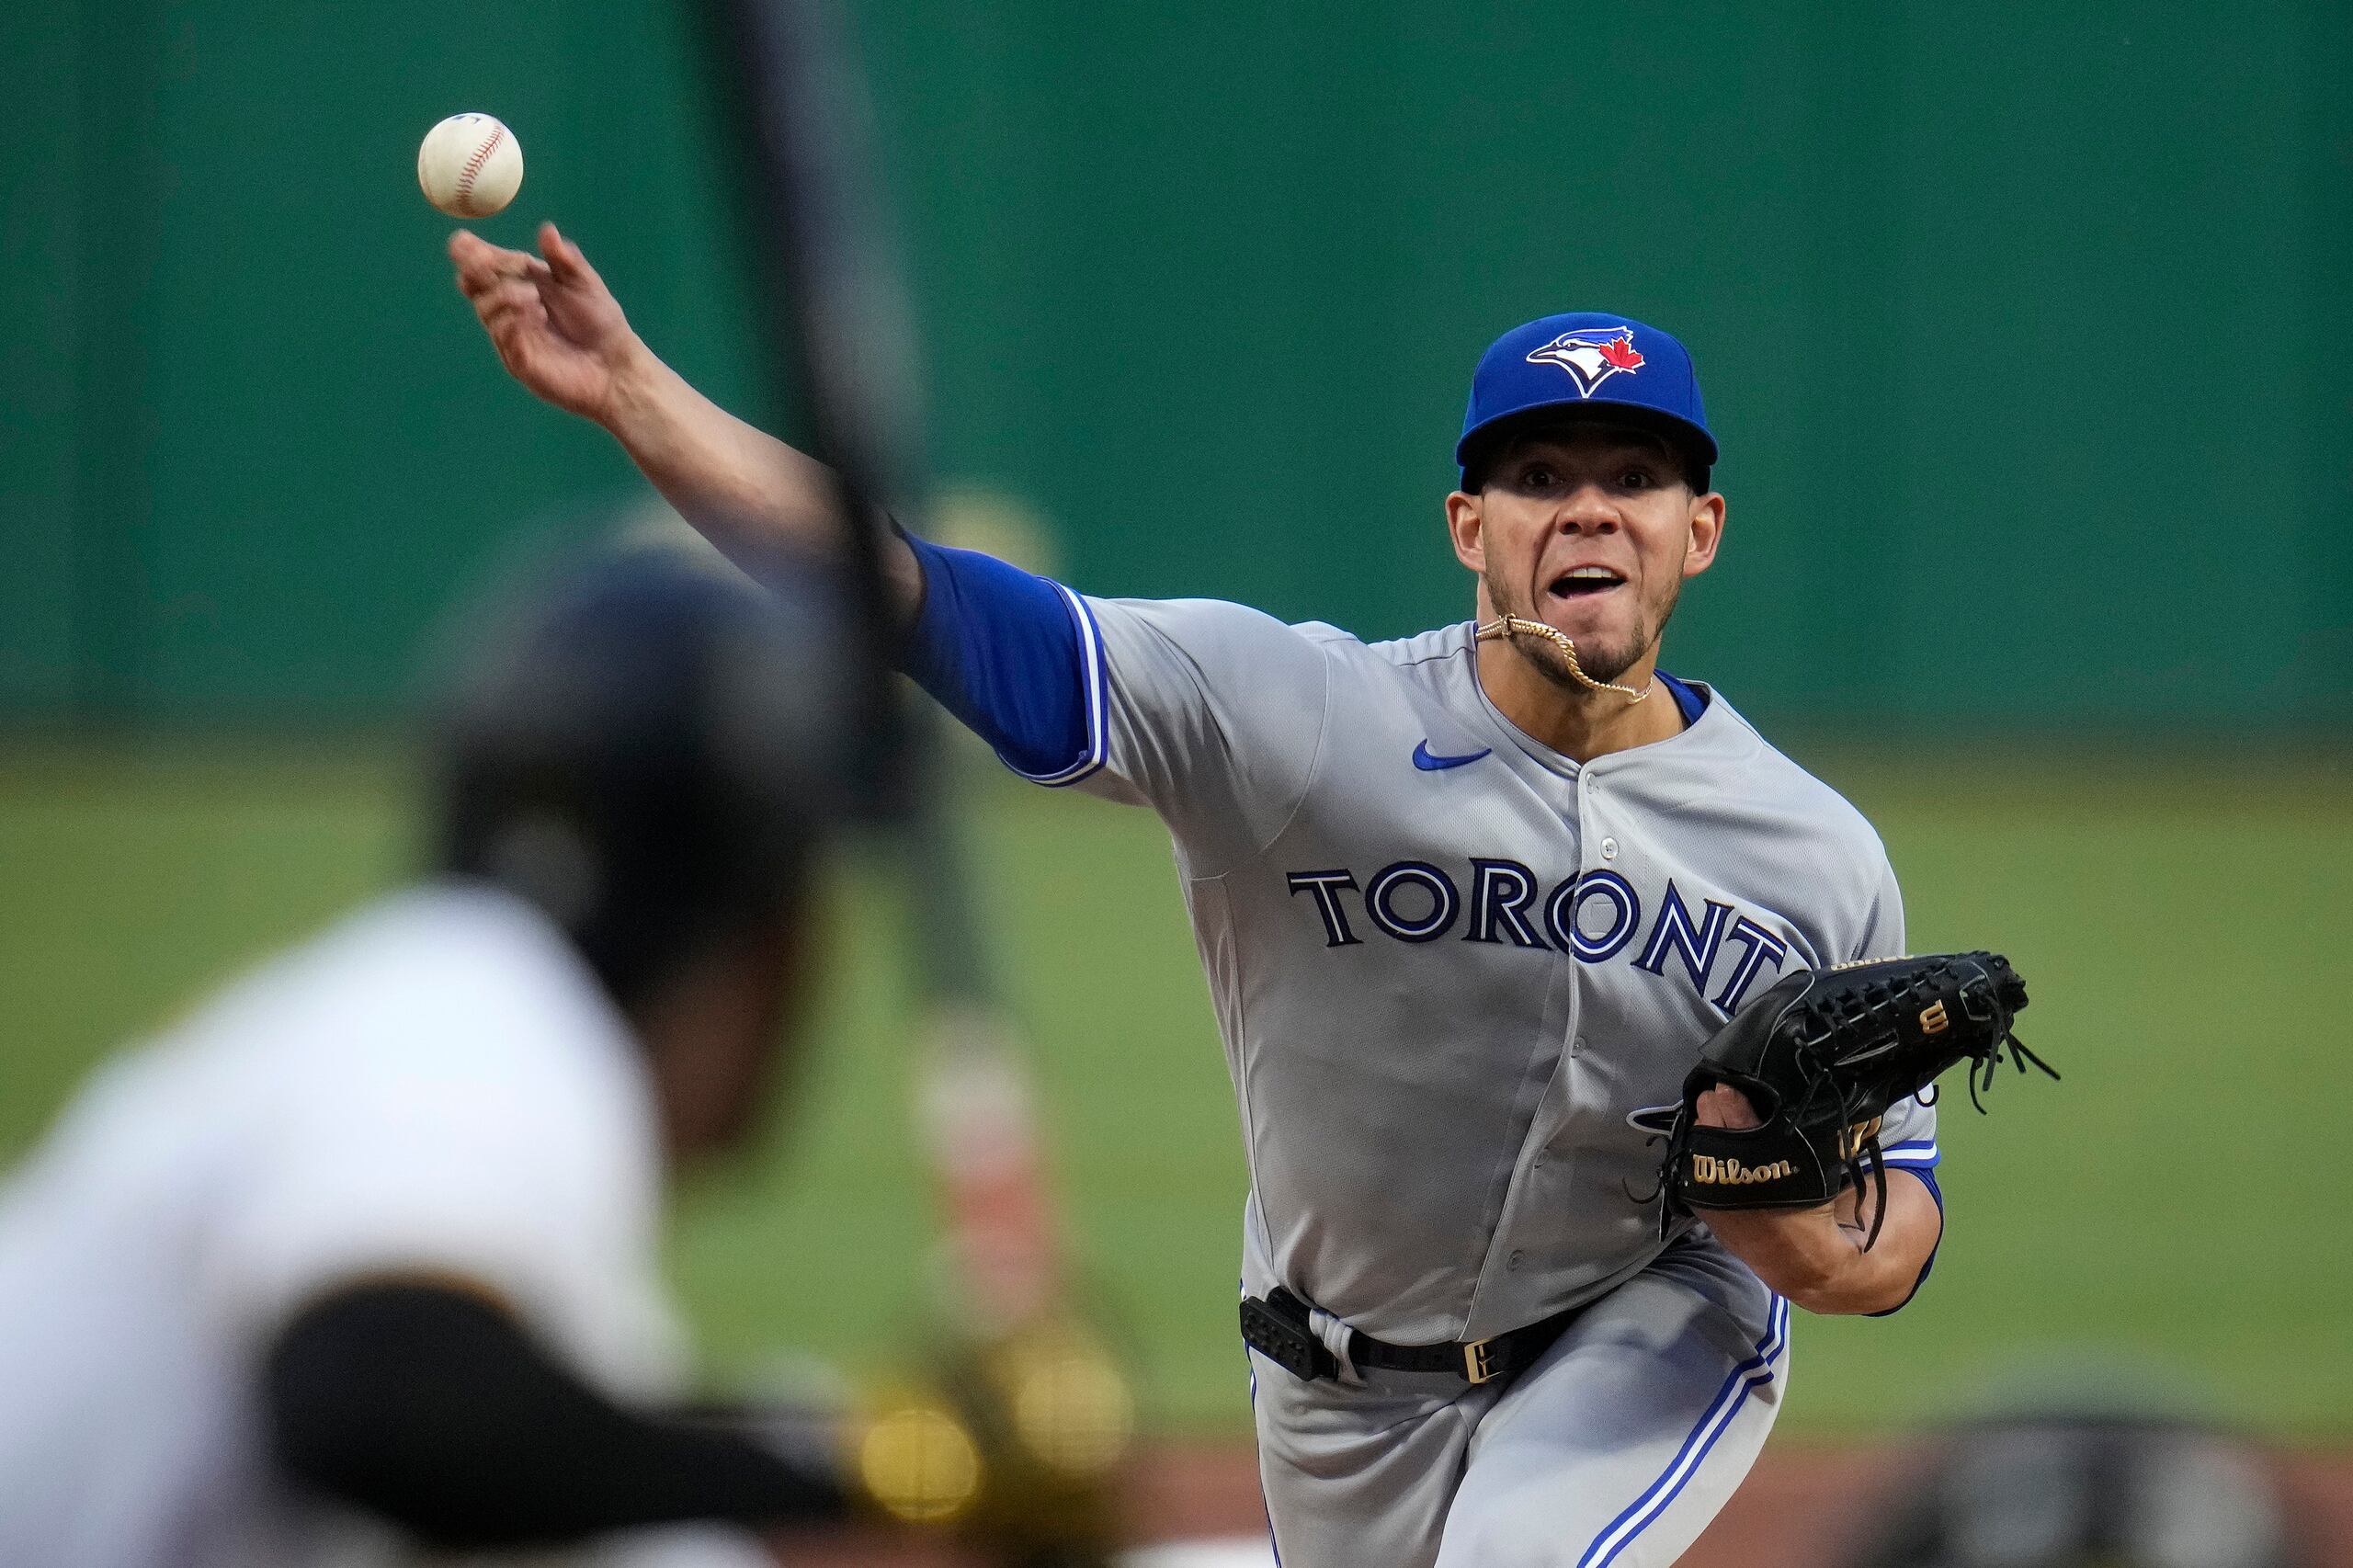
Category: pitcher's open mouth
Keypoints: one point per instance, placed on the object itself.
(1585, 581)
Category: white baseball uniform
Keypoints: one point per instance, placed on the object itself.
(436, 1085)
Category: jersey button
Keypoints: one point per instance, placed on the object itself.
(1513, 1261)
(1577, 1046)
(1609, 849)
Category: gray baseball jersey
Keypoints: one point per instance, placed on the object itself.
(1450, 964)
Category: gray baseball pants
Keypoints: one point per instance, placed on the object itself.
(1613, 1450)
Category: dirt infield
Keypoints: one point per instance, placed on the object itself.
(1798, 1509)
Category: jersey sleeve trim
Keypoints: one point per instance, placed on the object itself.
(1916, 1155)
(1016, 657)
(1094, 687)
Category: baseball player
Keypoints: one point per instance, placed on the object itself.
(363, 1258)
(1469, 904)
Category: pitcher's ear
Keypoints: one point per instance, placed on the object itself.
(1707, 533)
(1466, 528)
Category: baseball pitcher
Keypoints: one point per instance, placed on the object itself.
(1469, 903)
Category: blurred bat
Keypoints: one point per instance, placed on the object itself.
(1048, 1403)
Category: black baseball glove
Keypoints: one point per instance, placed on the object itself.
(1821, 1056)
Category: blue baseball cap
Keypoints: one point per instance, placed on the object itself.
(1588, 360)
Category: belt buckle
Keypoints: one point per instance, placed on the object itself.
(1478, 1361)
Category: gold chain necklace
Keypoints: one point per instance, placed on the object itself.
(1506, 625)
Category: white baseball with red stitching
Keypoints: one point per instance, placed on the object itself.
(470, 167)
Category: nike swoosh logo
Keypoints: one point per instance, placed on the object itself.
(1430, 763)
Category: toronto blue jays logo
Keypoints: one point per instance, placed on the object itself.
(1591, 355)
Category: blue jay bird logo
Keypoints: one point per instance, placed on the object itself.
(1591, 355)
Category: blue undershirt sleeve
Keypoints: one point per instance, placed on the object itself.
(1015, 657)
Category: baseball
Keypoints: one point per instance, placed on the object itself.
(470, 167)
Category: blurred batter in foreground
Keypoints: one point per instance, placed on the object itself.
(1469, 903)
(362, 1258)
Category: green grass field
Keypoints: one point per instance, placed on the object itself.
(2178, 1205)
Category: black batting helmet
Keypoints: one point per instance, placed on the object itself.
(647, 749)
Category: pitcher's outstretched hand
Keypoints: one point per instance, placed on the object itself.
(557, 328)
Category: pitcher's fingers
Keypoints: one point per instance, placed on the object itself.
(482, 265)
(514, 303)
(509, 294)
(512, 338)
(478, 274)
(509, 305)
(564, 258)
(1725, 1107)
(486, 291)
(481, 283)
(472, 253)
(512, 328)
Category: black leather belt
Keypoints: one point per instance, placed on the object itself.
(1277, 1327)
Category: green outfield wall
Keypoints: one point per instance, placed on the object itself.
(2024, 325)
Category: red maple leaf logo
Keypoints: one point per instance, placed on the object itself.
(1621, 352)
